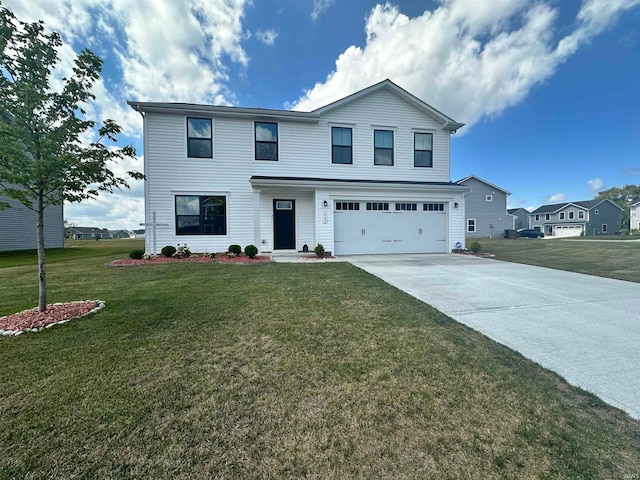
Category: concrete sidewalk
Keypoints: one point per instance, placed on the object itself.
(585, 328)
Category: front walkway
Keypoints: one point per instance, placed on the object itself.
(585, 328)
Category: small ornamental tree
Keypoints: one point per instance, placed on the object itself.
(42, 159)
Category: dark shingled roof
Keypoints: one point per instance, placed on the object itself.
(554, 207)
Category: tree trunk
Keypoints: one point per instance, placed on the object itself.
(42, 276)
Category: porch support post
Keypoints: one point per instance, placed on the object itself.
(256, 220)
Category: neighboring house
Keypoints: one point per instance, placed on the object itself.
(18, 226)
(87, 233)
(634, 216)
(485, 209)
(118, 234)
(521, 217)
(571, 219)
(138, 233)
(368, 173)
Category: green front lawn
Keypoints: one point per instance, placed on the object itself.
(611, 259)
(280, 371)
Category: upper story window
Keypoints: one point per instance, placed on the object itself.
(571, 215)
(537, 217)
(561, 215)
(383, 147)
(547, 216)
(489, 198)
(266, 141)
(341, 145)
(422, 149)
(199, 138)
(201, 215)
(580, 214)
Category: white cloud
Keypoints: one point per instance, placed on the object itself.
(268, 37)
(557, 198)
(595, 185)
(467, 58)
(319, 7)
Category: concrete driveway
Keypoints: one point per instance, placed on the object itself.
(585, 328)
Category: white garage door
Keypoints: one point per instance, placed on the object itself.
(567, 230)
(389, 227)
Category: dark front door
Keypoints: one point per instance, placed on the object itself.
(284, 224)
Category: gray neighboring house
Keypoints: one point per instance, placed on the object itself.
(485, 209)
(118, 234)
(18, 227)
(521, 219)
(87, 233)
(138, 233)
(634, 216)
(572, 219)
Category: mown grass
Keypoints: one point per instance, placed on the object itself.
(280, 371)
(611, 259)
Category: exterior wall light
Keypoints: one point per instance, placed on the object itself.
(455, 205)
(325, 203)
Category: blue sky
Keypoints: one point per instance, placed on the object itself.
(549, 89)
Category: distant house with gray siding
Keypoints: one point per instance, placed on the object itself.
(521, 219)
(485, 209)
(18, 226)
(87, 233)
(572, 219)
(634, 216)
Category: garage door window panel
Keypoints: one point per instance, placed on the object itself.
(383, 147)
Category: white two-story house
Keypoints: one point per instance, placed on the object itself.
(366, 174)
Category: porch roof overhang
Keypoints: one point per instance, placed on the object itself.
(312, 183)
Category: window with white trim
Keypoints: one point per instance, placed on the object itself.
(604, 228)
(547, 216)
(471, 224)
(422, 149)
(266, 141)
(199, 138)
(571, 215)
(561, 215)
(341, 145)
(489, 198)
(201, 215)
(383, 147)
(581, 214)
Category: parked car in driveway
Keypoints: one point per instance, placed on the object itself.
(530, 233)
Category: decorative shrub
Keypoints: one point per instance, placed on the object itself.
(319, 250)
(168, 251)
(475, 247)
(136, 254)
(182, 251)
(250, 251)
(237, 249)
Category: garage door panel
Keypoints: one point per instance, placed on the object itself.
(366, 231)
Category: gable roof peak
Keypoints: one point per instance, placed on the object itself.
(465, 179)
(447, 122)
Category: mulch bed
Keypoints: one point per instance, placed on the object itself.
(161, 259)
(33, 320)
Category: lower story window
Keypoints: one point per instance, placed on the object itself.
(201, 215)
(471, 224)
(604, 228)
